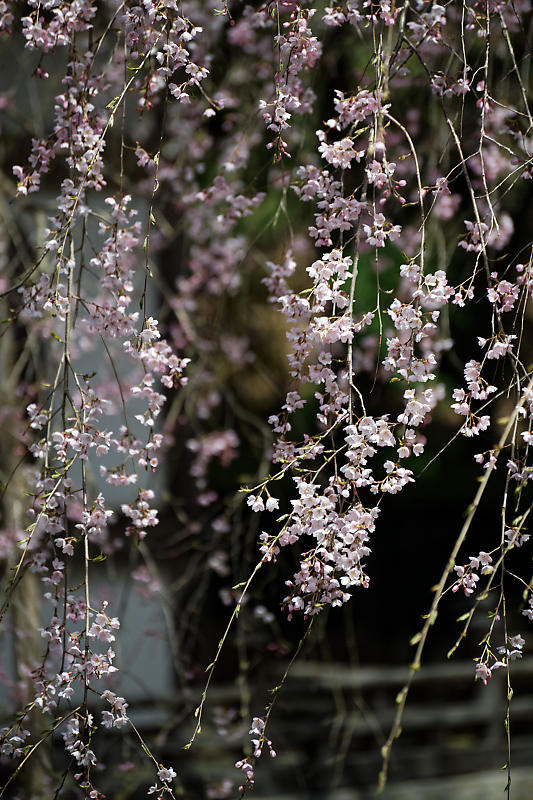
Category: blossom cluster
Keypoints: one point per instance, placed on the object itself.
(175, 130)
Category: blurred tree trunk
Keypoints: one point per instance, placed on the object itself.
(24, 608)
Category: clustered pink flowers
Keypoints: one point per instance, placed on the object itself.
(152, 149)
